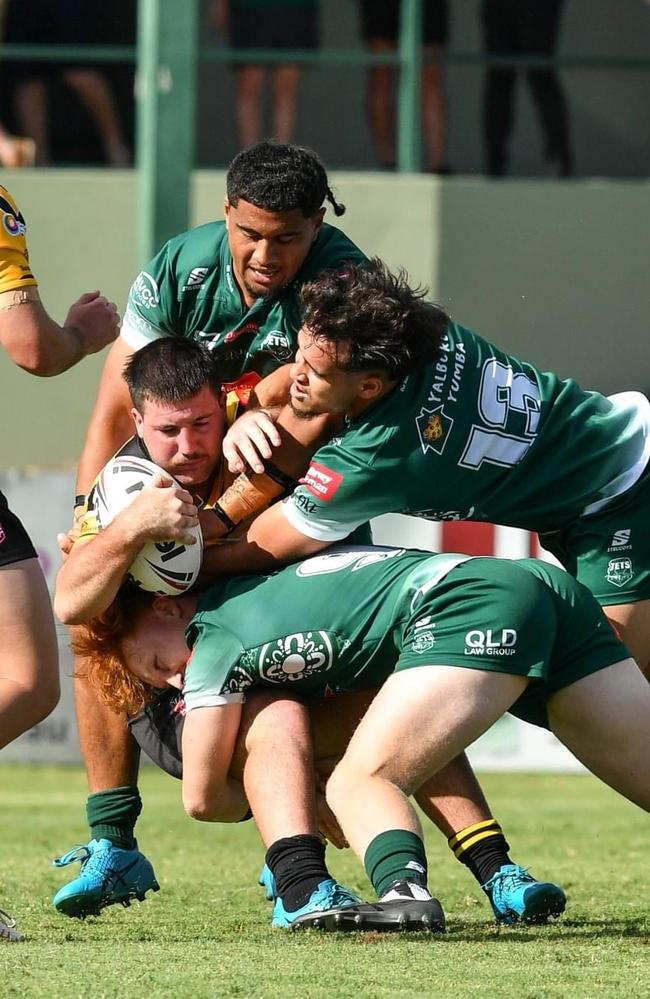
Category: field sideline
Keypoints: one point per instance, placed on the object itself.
(207, 933)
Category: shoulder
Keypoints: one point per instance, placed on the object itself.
(15, 270)
(331, 248)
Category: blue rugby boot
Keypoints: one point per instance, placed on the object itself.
(108, 875)
(267, 881)
(329, 907)
(517, 897)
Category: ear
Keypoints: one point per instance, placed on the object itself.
(136, 416)
(167, 608)
(372, 386)
(226, 210)
(317, 219)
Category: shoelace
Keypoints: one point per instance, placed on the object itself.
(78, 853)
(8, 921)
(505, 879)
(339, 895)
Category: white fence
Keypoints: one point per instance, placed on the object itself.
(43, 500)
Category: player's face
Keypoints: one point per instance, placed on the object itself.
(184, 439)
(268, 248)
(157, 651)
(318, 384)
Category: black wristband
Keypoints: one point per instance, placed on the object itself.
(223, 517)
(79, 500)
(275, 473)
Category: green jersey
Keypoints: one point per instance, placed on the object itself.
(189, 289)
(347, 619)
(477, 435)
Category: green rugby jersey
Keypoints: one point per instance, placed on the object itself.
(328, 624)
(476, 435)
(189, 289)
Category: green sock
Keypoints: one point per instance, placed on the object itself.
(395, 855)
(113, 814)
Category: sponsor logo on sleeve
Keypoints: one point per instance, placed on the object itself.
(321, 481)
(619, 571)
(145, 291)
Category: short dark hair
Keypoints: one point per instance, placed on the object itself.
(169, 370)
(280, 177)
(382, 322)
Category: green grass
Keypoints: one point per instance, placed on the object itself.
(207, 933)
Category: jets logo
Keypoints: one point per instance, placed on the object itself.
(619, 571)
(278, 344)
(433, 429)
(296, 657)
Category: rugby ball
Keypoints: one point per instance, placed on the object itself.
(165, 567)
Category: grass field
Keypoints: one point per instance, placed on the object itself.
(207, 933)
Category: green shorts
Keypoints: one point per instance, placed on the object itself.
(524, 618)
(610, 552)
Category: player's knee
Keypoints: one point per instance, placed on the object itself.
(340, 786)
(41, 699)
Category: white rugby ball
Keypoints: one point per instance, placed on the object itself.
(164, 567)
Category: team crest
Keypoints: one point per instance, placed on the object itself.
(296, 657)
(277, 343)
(423, 642)
(433, 429)
(619, 571)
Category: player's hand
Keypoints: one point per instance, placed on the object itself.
(250, 441)
(328, 825)
(95, 320)
(163, 511)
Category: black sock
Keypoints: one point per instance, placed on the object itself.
(298, 866)
(483, 849)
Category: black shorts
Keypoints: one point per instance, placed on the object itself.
(380, 21)
(15, 543)
(158, 730)
(275, 27)
(51, 22)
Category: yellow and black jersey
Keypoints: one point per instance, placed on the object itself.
(15, 271)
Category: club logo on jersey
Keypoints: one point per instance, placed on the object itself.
(240, 678)
(196, 278)
(424, 636)
(490, 642)
(12, 220)
(619, 571)
(296, 657)
(621, 541)
(433, 429)
(321, 481)
(278, 344)
(145, 291)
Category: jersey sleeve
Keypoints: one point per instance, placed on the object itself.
(15, 271)
(335, 496)
(213, 675)
(152, 297)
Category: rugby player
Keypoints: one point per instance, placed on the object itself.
(452, 641)
(29, 668)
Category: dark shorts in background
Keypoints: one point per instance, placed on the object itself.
(274, 26)
(15, 543)
(380, 20)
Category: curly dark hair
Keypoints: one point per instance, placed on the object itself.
(169, 370)
(374, 319)
(279, 177)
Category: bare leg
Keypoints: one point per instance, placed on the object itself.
(29, 661)
(632, 623)
(434, 116)
(286, 84)
(381, 106)
(111, 754)
(604, 719)
(453, 798)
(96, 95)
(248, 104)
(396, 747)
(32, 114)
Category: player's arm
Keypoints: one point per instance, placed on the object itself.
(209, 736)
(95, 569)
(36, 343)
(110, 424)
